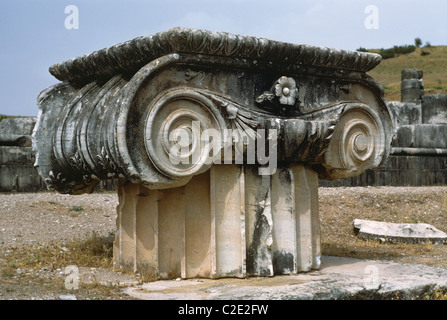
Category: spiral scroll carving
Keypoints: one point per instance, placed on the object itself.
(358, 142)
(175, 133)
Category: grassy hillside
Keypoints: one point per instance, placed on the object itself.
(431, 60)
(2, 116)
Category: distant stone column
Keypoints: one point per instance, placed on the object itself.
(412, 86)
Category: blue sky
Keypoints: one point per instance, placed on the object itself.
(33, 34)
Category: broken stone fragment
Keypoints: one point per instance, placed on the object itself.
(398, 232)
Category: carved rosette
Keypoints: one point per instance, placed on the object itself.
(286, 90)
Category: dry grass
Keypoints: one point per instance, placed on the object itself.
(36, 270)
(434, 66)
(92, 251)
(438, 295)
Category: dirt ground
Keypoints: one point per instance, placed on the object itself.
(340, 206)
(43, 233)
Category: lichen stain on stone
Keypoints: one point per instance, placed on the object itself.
(259, 255)
(283, 262)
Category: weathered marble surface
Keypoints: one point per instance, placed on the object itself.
(218, 141)
(112, 125)
(399, 232)
(227, 222)
(17, 172)
(134, 54)
(16, 131)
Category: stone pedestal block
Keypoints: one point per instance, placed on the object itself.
(227, 222)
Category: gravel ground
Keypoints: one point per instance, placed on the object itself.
(340, 206)
(35, 222)
(42, 217)
(39, 219)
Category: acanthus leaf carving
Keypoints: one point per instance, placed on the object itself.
(106, 163)
(88, 177)
(78, 162)
(244, 122)
(54, 179)
(57, 181)
(265, 96)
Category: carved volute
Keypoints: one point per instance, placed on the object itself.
(126, 110)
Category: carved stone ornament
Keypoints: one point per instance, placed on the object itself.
(285, 89)
(191, 119)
